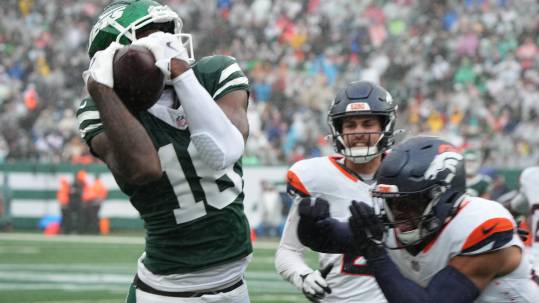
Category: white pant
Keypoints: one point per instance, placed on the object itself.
(238, 295)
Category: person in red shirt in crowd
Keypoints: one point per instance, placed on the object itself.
(97, 194)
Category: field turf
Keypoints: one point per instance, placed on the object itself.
(98, 269)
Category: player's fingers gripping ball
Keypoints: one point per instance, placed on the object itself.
(164, 46)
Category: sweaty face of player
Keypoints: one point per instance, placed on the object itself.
(361, 131)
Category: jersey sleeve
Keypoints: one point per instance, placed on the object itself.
(493, 229)
(220, 75)
(289, 258)
(89, 120)
(294, 186)
(295, 183)
(290, 255)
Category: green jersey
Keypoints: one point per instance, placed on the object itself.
(478, 185)
(193, 215)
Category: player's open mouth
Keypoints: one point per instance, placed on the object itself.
(360, 144)
(403, 223)
(405, 226)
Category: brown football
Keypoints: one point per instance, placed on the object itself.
(137, 81)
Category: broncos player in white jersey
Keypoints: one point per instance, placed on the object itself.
(362, 121)
(526, 202)
(440, 245)
(179, 161)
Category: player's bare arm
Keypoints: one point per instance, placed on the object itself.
(482, 269)
(124, 145)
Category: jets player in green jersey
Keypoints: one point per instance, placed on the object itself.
(477, 184)
(179, 161)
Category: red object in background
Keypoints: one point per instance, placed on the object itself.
(253, 235)
(63, 192)
(104, 226)
(30, 99)
(313, 5)
(52, 229)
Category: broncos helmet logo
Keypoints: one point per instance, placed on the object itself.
(446, 161)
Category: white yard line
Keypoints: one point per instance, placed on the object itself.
(261, 244)
(97, 274)
(57, 277)
(92, 268)
(71, 238)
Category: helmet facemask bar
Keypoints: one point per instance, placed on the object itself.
(404, 210)
(359, 154)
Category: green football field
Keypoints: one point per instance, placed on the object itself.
(98, 269)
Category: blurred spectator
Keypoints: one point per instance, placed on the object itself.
(62, 195)
(74, 200)
(82, 196)
(4, 223)
(98, 193)
(465, 70)
(499, 187)
(477, 183)
(271, 211)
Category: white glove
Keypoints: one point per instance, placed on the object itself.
(315, 286)
(164, 47)
(100, 68)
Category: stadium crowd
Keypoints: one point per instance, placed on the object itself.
(466, 70)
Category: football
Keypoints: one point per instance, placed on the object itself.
(137, 81)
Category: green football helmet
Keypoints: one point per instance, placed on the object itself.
(120, 20)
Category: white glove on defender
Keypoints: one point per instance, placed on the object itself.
(164, 47)
(314, 285)
(101, 66)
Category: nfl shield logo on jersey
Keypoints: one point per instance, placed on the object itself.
(181, 122)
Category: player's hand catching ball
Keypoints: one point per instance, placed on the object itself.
(165, 47)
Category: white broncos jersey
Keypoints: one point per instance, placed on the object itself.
(529, 186)
(479, 226)
(350, 279)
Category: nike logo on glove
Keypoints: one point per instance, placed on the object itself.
(486, 231)
(169, 44)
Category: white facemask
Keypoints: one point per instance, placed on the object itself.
(409, 237)
(361, 154)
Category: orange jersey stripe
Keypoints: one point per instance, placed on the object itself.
(524, 226)
(342, 170)
(294, 181)
(431, 243)
(487, 229)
